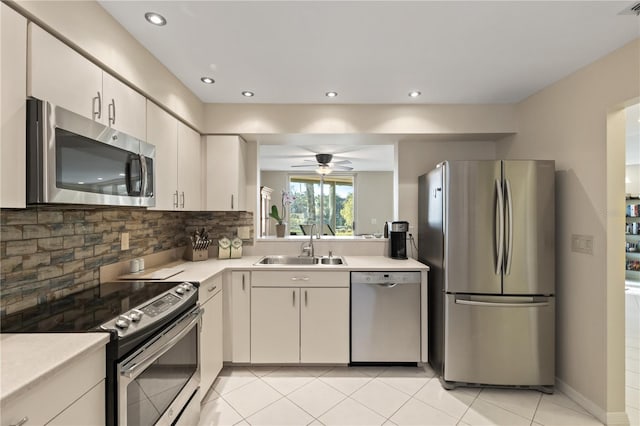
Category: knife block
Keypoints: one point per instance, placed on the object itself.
(196, 254)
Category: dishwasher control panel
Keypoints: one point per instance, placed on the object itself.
(384, 277)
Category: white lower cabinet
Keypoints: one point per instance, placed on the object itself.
(85, 411)
(75, 395)
(237, 311)
(210, 295)
(300, 324)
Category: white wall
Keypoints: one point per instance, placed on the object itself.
(278, 181)
(87, 27)
(416, 158)
(632, 182)
(374, 201)
(567, 122)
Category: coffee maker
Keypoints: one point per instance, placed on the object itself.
(397, 234)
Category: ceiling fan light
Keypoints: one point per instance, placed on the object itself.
(323, 169)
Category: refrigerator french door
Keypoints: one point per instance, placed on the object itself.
(486, 229)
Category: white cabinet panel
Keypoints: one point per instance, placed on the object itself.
(61, 75)
(210, 296)
(13, 80)
(125, 108)
(241, 316)
(226, 173)
(178, 171)
(86, 411)
(324, 325)
(189, 168)
(275, 325)
(54, 394)
(162, 131)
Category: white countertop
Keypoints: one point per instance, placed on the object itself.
(202, 270)
(27, 359)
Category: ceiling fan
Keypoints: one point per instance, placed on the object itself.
(324, 165)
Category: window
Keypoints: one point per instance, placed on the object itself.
(336, 197)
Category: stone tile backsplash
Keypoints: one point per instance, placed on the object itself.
(48, 252)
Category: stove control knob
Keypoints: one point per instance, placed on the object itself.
(180, 290)
(122, 323)
(135, 316)
(186, 286)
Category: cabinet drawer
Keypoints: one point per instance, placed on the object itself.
(51, 396)
(209, 288)
(299, 278)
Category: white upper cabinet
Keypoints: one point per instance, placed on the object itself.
(13, 53)
(60, 75)
(125, 108)
(189, 168)
(178, 170)
(225, 173)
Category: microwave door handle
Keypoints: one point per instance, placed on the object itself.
(127, 175)
(143, 167)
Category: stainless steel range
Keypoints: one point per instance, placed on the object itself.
(153, 366)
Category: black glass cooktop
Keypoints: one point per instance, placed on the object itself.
(85, 310)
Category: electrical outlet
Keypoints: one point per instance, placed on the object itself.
(582, 243)
(243, 232)
(374, 221)
(124, 241)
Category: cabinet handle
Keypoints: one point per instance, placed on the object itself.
(182, 203)
(300, 278)
(305, 298)
(112, 108)
(231, 201)
(210, 289)
(242, 282)
(24, 420)
(175, 199)
(294, 297)
(97, 113)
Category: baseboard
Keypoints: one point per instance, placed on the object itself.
(613, 418)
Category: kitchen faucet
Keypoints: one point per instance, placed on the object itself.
(308, 247)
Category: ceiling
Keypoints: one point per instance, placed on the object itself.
(376, 52)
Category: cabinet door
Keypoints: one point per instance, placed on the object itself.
(162, 131)
(240, 316)
(189, 168)
(324, 325)
(125, 108)
(60, 75)
(225, 175)
(275, 325)
(211, 336)
(86, 411)
(13, 54)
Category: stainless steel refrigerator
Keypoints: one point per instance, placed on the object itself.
(486, 230)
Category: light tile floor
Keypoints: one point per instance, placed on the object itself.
(632, 354)
(273, 396)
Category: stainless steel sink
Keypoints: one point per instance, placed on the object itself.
(301, 260)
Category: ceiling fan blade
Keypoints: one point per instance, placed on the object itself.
(336, 167)
(305, 165)
(341, 162)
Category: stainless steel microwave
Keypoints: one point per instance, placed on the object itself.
(74, 160)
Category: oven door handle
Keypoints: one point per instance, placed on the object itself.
(131, 368)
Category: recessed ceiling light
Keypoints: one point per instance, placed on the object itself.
(122, 174)
(414, 94)
(331, 94)
(80, 183)
(99, 178)
(247, 94)
(155, 18)
(207, 80)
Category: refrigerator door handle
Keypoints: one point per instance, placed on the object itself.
(502, 305)
(499, 233)
(509, 249)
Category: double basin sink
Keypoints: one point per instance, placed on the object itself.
(301, 260)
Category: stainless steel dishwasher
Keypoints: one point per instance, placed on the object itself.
(385, 317)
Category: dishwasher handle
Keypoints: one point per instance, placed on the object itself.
(387, 285)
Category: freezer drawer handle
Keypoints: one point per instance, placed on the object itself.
(502, 305)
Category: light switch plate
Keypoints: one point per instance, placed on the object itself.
(582, 243)
(243, 232)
